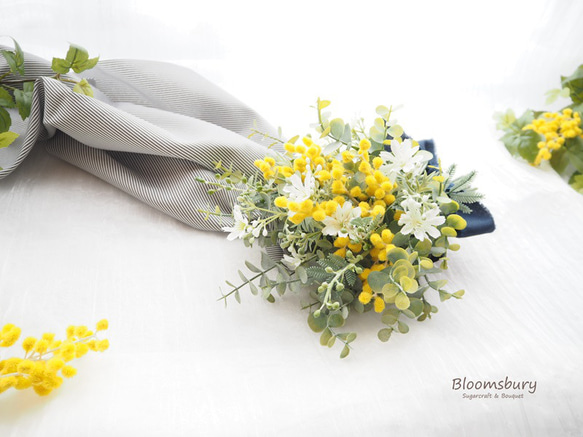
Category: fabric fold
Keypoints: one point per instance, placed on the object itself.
(152, 130)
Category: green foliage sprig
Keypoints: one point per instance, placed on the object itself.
(16, 89)
(556, 137)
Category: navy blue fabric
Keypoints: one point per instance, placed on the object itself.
(480, 220)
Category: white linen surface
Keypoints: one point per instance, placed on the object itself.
(74, 249)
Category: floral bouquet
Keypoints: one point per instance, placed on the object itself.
(363, 220)
(556, 137)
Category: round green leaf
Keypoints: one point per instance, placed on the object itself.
(402, 301)
(384, 334)
(317, 324)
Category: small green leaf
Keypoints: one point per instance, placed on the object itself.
(323, 104)
(252, 267)
(459, 293)
(331, 341)
(389, 318)
(384, 334)
(396, 254)
(6, 99)
(60, 66)
(253, 288)
(402, 301)
(402, 327)
(7, 138)
(317, 324)
(238, 296)
(302, 274)
(5, 120)
(336, 321)
(416, 306)
(377, 281)
(395, 131)
(84, 88)
(383, 111)
(337, 127)
(325, 337)
(345, 352)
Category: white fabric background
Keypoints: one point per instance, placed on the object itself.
(74, 249)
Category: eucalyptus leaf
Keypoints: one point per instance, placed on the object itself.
(385, 334)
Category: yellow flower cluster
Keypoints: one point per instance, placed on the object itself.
(335, 176)
(45, 361)
(556, 128)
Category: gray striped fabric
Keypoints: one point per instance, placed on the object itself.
(151, 129)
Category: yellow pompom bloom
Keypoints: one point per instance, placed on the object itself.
(341, 242)
(387, 236)
(341, 252)
(364, 145)
(355, 247)
(377, 241)
(80, 331)
(7, 328)
(297, 218)
(293, 206)
(338, 187)
(380, 177)
(6, 383)
(280, 202)
(365, 274)
(337, 172)
(319, 161)
(379, 193)
(68, 371)
(378, 210)
(371, 181)
(9, 337)
(377, 162)
(389, 199)
(286, 171)
(300, 148)
(331, 207)
(355, 191)
(398, 215)
(313, 152)
(270, 160)
(81, 349)
(307, 141)
(22, 383)
(25, 366)
(41, 346)
(319, 214)
(364, 297)
(102, 345)
(347, 157)
(364, 167)
(379, 304)
(323, 175)
(55, 364)
(387, 185)
(289, 147)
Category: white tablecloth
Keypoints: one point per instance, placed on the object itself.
(74, 249)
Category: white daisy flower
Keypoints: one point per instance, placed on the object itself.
(339, 223)
(404, 157)
(240, 228)
(420, 220)
(297, 190)
(293, 259)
